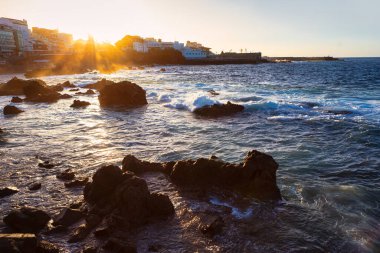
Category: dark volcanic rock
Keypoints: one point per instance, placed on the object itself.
(18, 243)
(79, 234)
(78, 103)
(40, 92)
(213, 226)
(66, 175)
(99, 85)
(26, 220)
(218, 110)
(122, 94)
(76, 89)
(7, 191)
(160, 205)
(16, 86)
(46, 165)
(255, 176)
(68, 217)
(65, 96)
(11, 110)
(67, 84)
(34, 186)
(16, 100)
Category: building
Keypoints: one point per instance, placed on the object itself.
(8, 45)
(22, 33)
(52, 40)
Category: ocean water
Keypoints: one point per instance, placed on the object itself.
(319, 120)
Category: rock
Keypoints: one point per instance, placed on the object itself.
(67, 84)
(102, 232)
(131, 163)
(76, 205)
(65, 96)
(66, 175)
(68, 217)
(76, 89)
(104, 182)
(93, 220)
(154, 248)
(78, 103)
(160, 205)
(57, 230)
(88, 92)
(16, 100)
(212, 226)
(79, 234)
(40, 92)
(16, 86)
(122, 94)
(118, 246)
(218, 110)
(214, 93)
(34, 186)
(76, 183)
(11, 110)
(99, 85)
(7, 191)
(47, 247)
(27, 220)
(339, 112)
(46, 165)
(57, 87)
(255, 176)
(18, 243)
(162, 70)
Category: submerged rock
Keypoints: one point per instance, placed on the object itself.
(122, 94)
(7, 191)
(16, 100)
(79, 103)
(46, 165)
(11, 110)
(34, 186)
(66, 175)
(218, 110)
(212, 226)
(256, 175)
(27, 220)
(65, 96)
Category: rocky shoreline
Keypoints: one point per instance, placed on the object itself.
(116, 204)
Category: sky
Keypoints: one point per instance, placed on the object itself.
(340, 28)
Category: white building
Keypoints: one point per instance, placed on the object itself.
(22, 30)
(192, 50)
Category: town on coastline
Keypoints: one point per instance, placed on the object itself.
(41, 51)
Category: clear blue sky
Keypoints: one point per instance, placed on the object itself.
(274, 27)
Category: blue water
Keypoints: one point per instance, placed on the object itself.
(319, 120)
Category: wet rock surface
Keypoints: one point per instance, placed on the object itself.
(256, 175)
(18, 243)
(11, 110)
(26, 220)
(7, 191)
(219, 110)
(16, 100)
(79, 104)
(125, 94)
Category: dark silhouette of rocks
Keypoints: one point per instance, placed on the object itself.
(65, 96)
(75, 89)
(213, 93)
(126, 194)
(66, 175)
(16, 243)
(212, 226)
(79, 103)
(40, 92)
(76, 183)
(46, 165)
(26, 220)
(88, 92)
(16, 100)
(35, 186)
(68, 217)
(124, 94)
(256, 175)
(218, 110)
(11, 110)
(7, 191)
(16, 86)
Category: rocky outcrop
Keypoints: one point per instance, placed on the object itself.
(126, 195)
(16, 243)
(16, 86)
(124, 94)
(11, 110)
(79, 103)
(68, 217)
(218, 110)
(7, 191)
(16, 100)
(256, 175)
(40, 92)
(26, 220)
(88, 92)
(99, 85)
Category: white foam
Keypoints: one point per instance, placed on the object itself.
(236, 212)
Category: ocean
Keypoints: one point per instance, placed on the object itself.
(319, 120)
